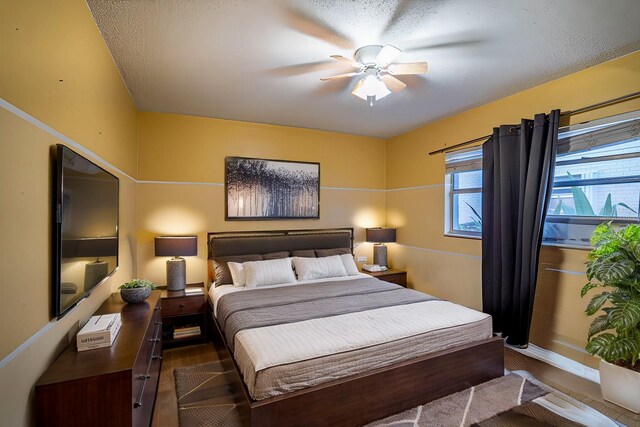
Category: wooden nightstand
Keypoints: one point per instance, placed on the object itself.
(398, 277)
(183, 313)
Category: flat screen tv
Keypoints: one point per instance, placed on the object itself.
(85, 228)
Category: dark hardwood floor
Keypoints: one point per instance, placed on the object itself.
(166, 410)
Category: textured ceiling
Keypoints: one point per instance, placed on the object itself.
(261, 61)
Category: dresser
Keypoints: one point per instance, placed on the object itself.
(113, 386)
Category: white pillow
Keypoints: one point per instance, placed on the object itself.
(237, 273)
(268, 272)
(349, 265)
(319, 268)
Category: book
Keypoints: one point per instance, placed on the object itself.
(193, 291)
(99, 332)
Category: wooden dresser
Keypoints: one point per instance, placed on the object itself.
(113, 386)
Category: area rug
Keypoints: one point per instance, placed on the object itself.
(517, 399)
(204, 398)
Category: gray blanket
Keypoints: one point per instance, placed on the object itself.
(273, 306)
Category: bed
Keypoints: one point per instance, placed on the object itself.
(341, 350)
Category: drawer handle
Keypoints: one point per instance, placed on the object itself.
(158, 323)
(154, 339)
(181, 305)
(137, 404)
(156, 357)
(157, 308)
(144, 377)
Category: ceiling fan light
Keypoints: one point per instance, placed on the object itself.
(371, 86)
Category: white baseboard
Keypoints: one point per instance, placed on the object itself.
(561, 362)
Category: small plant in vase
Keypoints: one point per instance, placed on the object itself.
(614, 268)
(136, 290)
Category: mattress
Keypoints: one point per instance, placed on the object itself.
(281, 358)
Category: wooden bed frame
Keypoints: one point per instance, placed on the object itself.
(366, 397)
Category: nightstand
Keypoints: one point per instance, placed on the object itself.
(184, 316)
(398, 277)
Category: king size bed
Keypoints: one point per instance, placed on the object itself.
(308, 340)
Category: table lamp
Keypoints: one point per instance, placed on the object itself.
(176, 246)
(380, 236)
(92, 247)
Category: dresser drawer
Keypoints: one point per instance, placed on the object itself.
(183, 306)
(146, 372)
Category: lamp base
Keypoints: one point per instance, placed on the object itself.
(94, 272)
(380, 255)
(176, 274)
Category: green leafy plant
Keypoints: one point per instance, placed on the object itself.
(476, 223)
(614, 267)
(138, 283)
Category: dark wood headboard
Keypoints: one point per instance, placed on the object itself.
(230, 243)
(261, 242)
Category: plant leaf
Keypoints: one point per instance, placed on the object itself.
(583, 206)
(607, 209)
(624, 205)
(596, 302)
(613, 348)
(586, 288)
(615, 271)
(558, 209)
(599, 324)
(625, 314)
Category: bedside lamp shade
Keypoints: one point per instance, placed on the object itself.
(380, 236)
(176, 246)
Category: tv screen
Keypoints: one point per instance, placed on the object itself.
(85, 241)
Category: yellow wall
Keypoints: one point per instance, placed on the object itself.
(182, 173)
(450, 267)
(40, 44)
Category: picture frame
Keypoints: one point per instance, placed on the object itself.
(268, 189)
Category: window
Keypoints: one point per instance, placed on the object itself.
(597, 178)
(464, 192)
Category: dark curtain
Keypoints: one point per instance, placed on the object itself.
(518, 166)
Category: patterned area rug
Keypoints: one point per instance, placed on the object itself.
(517, 399)
(204, 398)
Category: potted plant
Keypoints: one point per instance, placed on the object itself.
(614, 268)
(136, 290)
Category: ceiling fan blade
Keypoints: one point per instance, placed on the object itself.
(314, 27)
(411, 68)
(346, 60)
(340, 76)
(392, 83)
(356, 90)
(387, 55)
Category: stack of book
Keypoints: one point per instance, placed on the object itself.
(186, 331)
(99, 331)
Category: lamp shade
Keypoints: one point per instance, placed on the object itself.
(381, 235)
(176, 246)
(90, 247)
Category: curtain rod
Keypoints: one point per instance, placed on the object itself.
(563, 114)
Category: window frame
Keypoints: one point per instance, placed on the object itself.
(565, 132)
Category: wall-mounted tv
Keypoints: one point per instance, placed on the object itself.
(85, 228)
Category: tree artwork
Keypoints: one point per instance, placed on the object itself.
(271, 189)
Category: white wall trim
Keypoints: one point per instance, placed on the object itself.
(78, 147)
(26, 344)
(560, 362)
(572, 272)
(440, 252)
(419, 187)
(212, 184)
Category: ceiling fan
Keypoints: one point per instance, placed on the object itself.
(376, 63)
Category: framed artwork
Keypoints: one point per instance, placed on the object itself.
(264, 189)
